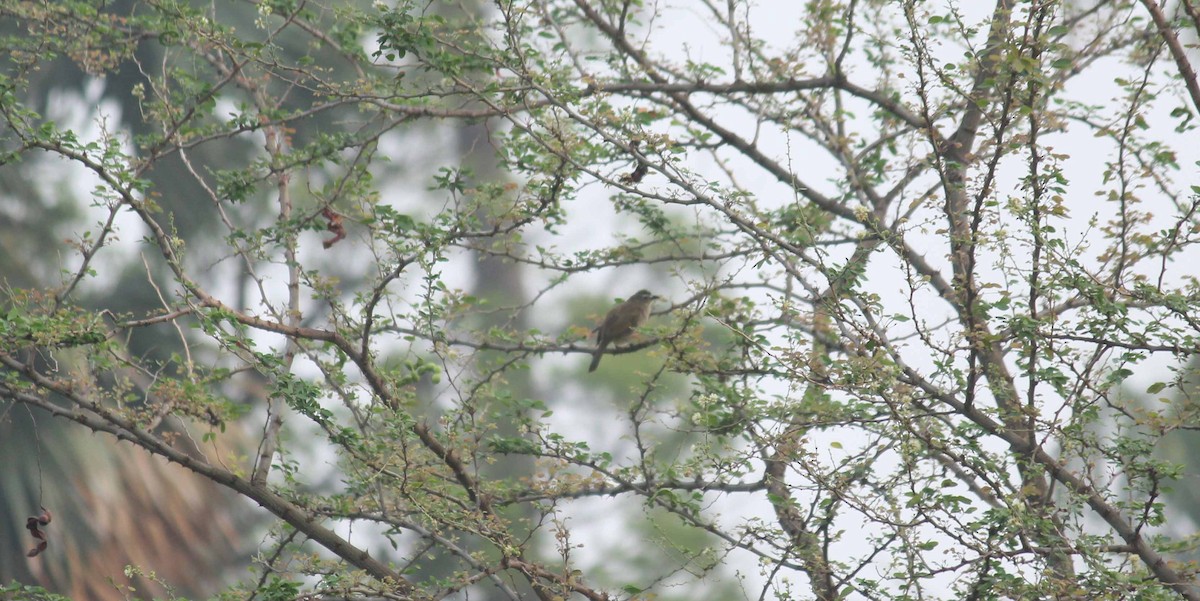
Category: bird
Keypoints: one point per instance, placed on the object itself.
(621, 321)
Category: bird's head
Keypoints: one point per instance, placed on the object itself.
(644, 296)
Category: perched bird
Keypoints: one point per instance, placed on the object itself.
(621, 321)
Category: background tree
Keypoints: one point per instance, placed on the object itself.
(913, 255)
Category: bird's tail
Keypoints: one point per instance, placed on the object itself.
(596, 359)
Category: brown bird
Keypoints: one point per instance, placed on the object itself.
(621, 321)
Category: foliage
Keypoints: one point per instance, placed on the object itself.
(28, 593)
(915, 256)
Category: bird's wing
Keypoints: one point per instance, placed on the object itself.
(620, 324)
